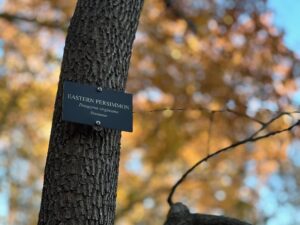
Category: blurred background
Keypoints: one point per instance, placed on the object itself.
(212, 54)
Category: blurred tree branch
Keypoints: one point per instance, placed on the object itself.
(179, 214)
(46, 23)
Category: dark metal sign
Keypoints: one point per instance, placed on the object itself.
(92, 105)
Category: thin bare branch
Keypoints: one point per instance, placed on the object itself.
(245, 115)
(252, 138)
(265, 125)
(211, 121)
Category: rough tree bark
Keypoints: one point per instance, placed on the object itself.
(82, 164)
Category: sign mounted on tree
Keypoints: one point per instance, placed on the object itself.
(92, 105)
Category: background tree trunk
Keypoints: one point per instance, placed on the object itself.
(81, 171)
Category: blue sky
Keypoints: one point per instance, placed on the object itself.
(287, 17)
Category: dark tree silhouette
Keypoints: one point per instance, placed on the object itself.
(179, 214)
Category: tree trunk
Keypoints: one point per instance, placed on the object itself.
(81, 171)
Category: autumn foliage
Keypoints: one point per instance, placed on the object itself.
(195, 57)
